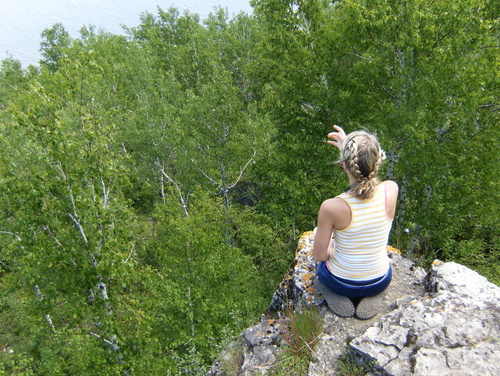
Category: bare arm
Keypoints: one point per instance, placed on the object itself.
(330, 211)
(326, 224)
(392, 190)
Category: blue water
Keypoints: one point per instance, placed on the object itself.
(22, 21)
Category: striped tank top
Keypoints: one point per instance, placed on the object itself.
(361, 248)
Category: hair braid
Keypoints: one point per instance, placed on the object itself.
(376, 166)
(353, 160)
(363, 156)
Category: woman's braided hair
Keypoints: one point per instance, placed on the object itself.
(362, 156)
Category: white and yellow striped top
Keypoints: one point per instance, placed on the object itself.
(361, 248)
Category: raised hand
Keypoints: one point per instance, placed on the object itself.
(337, 137)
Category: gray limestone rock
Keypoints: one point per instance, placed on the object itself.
(455, 330)
(445, 322)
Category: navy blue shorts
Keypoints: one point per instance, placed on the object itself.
(353, 289)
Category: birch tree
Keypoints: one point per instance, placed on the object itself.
(420, 74)
(423, 75)
(64, 197)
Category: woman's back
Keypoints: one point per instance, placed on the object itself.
(356, 266)
(360, 248)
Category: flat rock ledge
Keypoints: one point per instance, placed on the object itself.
(442, 322)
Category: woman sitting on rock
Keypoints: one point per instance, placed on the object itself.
(353, 230)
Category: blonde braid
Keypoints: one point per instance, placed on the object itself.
(353, 159)
(363, 159)
(376, 166)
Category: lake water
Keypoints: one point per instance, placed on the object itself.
(22, 21)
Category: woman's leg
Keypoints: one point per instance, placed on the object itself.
(339, 292)
(371, 304)
(340, 305)
(353, 289)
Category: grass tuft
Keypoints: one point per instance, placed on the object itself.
(299, 329)
(349, 364)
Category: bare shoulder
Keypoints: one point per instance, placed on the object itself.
(333, 203)
(335, 207)
(392, 187)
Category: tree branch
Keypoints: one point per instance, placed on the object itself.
(242, 170)
(361, 57)
(130, 254)
(487, 105)
(72, 199)
(11, 233)
(105, 193)
(209, 127)
(388, 92)
(182, 200)
(51, 324)
(80, 228)
(47, 316)
(46, 228)
(111, 343)
(208, 177)
(104, 294)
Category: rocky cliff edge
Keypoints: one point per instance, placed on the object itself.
(444, 322)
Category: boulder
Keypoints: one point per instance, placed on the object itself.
(453, 330)
(441, 322)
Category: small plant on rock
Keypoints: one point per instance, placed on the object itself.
(350, 365)
(299, 329)
(232, 359)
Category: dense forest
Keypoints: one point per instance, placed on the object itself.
(154, 185)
